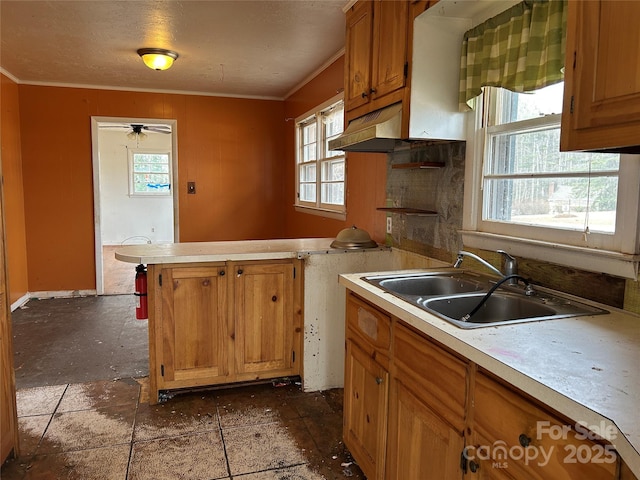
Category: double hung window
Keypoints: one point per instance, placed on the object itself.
(526, 192)
(320, 172)
(149, 172)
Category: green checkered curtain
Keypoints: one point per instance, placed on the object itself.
(521, 49)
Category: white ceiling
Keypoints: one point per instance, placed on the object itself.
(246, 48)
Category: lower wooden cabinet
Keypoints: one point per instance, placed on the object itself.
(515, 437)
(216, 323)
(194, 327)
(365, 410)
(263, 306)
(421, 445)
(414, 410)
(366, 385)
(426, 409)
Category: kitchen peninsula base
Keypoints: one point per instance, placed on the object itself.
(223, 322)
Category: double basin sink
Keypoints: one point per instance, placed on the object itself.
(453, 295)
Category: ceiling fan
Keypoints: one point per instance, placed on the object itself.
(138, 128)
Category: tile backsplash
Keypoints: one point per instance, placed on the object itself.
(433, 189)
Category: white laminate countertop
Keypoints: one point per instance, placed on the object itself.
(244, 250)
(586, 368)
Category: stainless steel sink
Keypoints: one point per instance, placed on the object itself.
(452, 295)
(428, 285)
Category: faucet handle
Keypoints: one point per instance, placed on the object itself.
(508, 257)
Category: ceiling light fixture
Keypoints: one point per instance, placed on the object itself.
(157, 58)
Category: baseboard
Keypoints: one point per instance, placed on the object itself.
(20, 302)
(63, 294)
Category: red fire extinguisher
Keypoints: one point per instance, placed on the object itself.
(141, 292)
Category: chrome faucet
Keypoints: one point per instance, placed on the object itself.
(510, 264)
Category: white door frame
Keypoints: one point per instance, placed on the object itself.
(96, 182)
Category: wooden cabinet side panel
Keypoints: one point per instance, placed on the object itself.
(8, 408)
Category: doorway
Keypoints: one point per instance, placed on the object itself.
(135, 168)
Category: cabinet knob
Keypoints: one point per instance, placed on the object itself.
(274, 298)
(473, 466)
(524, 440)
(240, 271)
(364, 95)
(379, 380)
(221, 273)
(373, 90)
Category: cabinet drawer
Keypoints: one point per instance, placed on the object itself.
(527, 441)
(440, 378)
(368, 324)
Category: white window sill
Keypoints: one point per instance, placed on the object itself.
(600, 261)
(322, 212)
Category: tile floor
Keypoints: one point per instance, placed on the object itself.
(81, 366)
(107, 430)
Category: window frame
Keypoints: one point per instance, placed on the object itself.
(317, 207)
(131, 152)
(619, 257)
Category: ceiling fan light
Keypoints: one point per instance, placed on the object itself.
(131, 135)
(157, 58)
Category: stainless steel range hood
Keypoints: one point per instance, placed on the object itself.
(377, 131)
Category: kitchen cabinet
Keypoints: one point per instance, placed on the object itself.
(442, 416)
(513, 437)
(193, 344)
(8, 412)
(366, 385)
(263, 294)
(223, 322)
(376, 55)
(602, 76)
(426, 409)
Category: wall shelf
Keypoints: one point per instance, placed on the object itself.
(419, 165)
(409, 211)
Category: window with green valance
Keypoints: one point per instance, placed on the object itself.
(521, 49)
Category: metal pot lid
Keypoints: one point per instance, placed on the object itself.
(353, 238)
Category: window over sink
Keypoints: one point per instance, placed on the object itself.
(565, 207)
(320, 172)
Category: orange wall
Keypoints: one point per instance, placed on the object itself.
(232, 148)
(13, 190)
(366, 172)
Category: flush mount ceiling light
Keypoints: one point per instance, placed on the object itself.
(157, 58)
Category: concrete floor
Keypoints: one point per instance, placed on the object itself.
(81, 369)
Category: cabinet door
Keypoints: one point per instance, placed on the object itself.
(602, 76)
(194, 304)
(420, 445)
(390, 29)
(263, 307)
(365, 410)
(357, 84)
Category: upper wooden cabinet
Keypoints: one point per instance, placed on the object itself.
(376, 53)
(602, 76)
